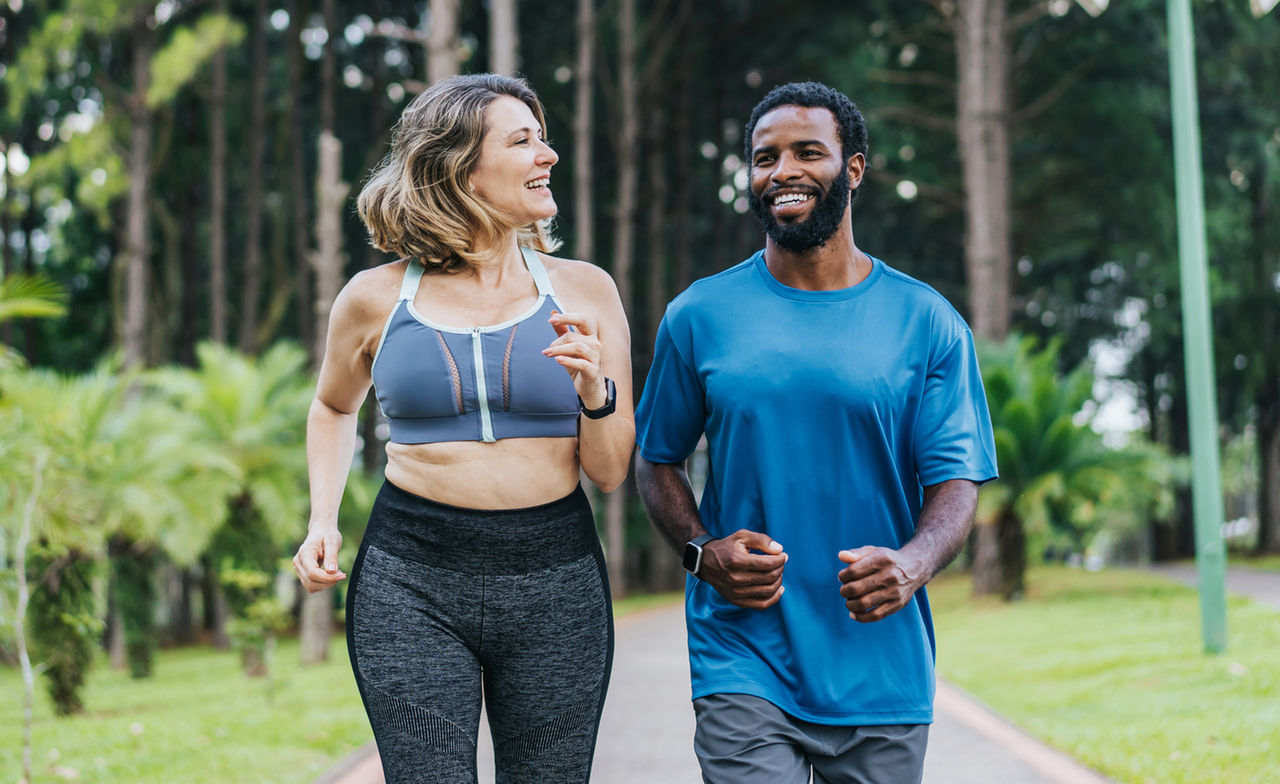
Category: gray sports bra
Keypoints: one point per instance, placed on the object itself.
(438, 383)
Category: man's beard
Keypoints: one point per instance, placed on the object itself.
(814, 230)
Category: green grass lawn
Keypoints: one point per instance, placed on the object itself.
(1109, 667)
(199, 720)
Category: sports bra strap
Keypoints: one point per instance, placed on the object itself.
(409, 285)
(538, 272)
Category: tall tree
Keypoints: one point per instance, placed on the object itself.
(443, 59)
(583, 128)
(137, 222)
(326, 262)
(218, 193)
(504, 40)
(298, 182)
(623, 239)
(982, 124)
(251, 293)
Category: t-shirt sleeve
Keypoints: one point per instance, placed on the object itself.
(953, 436)
(672, 410)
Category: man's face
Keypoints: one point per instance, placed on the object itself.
(800, 183)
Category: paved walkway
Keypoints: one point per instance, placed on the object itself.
(646, 733)
(1257, 584)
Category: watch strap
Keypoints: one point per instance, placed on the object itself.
(610, 402)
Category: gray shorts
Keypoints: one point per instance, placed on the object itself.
(743, 739)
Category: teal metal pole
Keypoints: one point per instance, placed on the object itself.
(1197, 344)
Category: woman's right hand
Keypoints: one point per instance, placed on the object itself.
(317, 560)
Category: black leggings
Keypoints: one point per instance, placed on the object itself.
(443, 600)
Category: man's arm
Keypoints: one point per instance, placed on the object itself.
(748, 579)
(880, 581)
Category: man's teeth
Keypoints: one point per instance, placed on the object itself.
(791, 198)
(538, 183)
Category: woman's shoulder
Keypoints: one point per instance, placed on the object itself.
(372, 293)
(581, 278)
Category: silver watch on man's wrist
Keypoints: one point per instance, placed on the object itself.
(693, 554)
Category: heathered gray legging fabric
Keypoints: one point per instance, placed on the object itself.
(445, 602)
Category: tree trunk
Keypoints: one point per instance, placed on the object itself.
(218, 194)
(982, 124)
(183, 617)
(373, 457)
(215, 604)
(663, 565)
(685, 146)
(137, 222)
(583, 127)
(615, 523)
(504, 41)
(1269, 477)
(443, 58)
(188, 334)
(985, 560)
(1012, 539)
(327, 262)
(298, 187)
(1267, 396)
(252, 277)
(6, 227)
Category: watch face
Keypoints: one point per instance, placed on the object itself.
(692, 557)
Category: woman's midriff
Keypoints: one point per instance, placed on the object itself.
(512, 473)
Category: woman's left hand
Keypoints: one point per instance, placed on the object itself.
(577, 349)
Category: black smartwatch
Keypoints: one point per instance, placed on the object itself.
(693, 554)
(610, 401)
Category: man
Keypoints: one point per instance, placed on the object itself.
(847, 431)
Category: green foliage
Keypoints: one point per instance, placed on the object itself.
(63, 621)
(90, 159)
(28, 296)
(254, 411)
(260, 615)
(31, 296)
(186, 53)
(1056, 474)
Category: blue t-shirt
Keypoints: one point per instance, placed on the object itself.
(826, 413)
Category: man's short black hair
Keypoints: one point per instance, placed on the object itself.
(853, 129)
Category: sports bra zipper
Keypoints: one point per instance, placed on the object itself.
(477, 353)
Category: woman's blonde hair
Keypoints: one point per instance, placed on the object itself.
(418, 203)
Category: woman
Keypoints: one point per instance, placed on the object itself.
(480, 568)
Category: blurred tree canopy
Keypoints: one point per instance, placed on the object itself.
(1091, 208)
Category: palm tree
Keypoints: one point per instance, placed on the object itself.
(1059, 483)
(28, 296)
(253, 412)
(126, 472)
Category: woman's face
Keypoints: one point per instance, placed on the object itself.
(514, 170)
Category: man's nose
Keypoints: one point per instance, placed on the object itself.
(787, 169)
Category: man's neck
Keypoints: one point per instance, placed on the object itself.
(836, 264)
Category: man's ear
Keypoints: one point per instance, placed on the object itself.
(857, 167)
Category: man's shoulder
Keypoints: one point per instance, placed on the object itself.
(914, 294)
